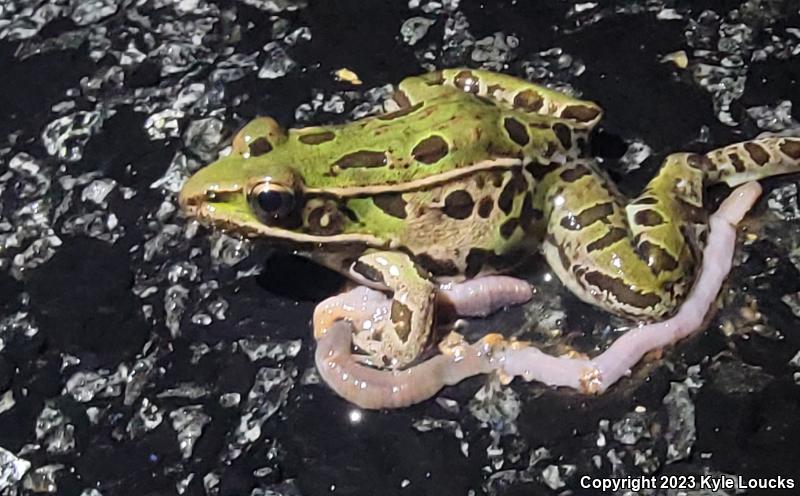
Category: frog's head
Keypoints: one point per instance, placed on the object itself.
(256, 191)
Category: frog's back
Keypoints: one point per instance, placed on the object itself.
(422, 142)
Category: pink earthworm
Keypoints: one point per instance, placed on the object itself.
(371, 388)
(485, 295)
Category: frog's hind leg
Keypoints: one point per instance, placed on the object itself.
(596, 374)
(752, 160)
(630, 258)
(510, 91)
(639, 258)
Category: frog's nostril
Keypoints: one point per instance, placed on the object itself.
(187, 200)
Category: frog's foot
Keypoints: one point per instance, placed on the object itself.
(373, 389)
(367, 310)
(596, 375)
(482, 296)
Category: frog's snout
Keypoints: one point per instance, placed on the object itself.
(191, 195)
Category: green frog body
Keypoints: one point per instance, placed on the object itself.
(468, 174)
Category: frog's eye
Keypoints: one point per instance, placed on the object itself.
(272, 203)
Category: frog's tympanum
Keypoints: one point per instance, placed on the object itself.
(468, 174)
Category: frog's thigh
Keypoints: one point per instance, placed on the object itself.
(482, 296)
(513, 92)
(637, 258)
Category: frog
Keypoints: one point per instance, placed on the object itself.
(465, 176)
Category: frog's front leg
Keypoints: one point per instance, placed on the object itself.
(391, 332)
(337, 319)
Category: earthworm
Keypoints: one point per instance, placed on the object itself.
(372, 388)
(485, 295)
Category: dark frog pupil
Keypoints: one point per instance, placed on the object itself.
(274, 206)
(272, 202)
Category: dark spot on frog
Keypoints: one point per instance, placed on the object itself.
(516, 131)
(580, 113)
(609, 238)
(563, 134)
(466, 82)
(645, 200)
(648, 218)
(575, 173)
(758, 154)
(316, 138)
(497, 179)
(657, 258)
(621, 291)
(368, 272)
(737, 162)
(516, 184)
(401, 99)
(430, 150)
(349, 213)
(508, 227)
(529, 101)
(362, 159)
(436, 267)
(475, 260)
(528, 215)
(401, 316)
(485, 207)
(325, 221)
(259, 147)
(539, 170)
(587, 217)
(699, 162)
(458, 205)
(391, 203)
(479, 259)
(791, 148)
(549, 150)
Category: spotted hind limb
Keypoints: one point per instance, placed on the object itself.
(752, 160)
(595, 375)
(510, 91)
